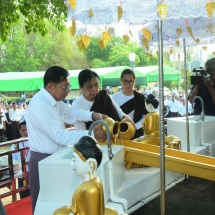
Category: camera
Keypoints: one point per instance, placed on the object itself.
(201, 76)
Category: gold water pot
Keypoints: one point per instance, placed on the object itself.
(126, 130)
(113, 127)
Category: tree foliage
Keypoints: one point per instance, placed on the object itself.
(35, 13)
(33, 52)
(116, 54)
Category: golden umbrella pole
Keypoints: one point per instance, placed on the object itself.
(161, 105)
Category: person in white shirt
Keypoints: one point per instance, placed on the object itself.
(2, 121)
(130, 101)
(17, 156)
(173, 107)
(175, 92)
(46, 116)
(149, 91)
(94, 99)
(23, 111)
(15, 116)
(182, 108)
(156, 89)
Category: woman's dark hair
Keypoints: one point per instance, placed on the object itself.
(128, 72)
(209, 63)
(85, 76)
(152, 100)
(55, 74)
(89, 148)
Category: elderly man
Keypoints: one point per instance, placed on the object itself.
(46, 116)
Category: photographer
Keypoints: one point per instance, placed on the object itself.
(206, 90)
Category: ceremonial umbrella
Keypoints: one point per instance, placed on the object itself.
(136, 12)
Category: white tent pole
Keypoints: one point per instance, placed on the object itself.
(161, 105)
(186, 95)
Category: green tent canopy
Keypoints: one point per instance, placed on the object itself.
(113, 78)
(21, 81)
(109, 76)
(170, 74)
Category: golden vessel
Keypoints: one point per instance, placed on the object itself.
(113, 127)
(126, 130)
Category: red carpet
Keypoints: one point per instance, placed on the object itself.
(20, 207)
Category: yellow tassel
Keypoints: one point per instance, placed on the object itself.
(147, 33)
(80, 44)
(86, 40)
(179, 56)
(149, 55)
(162, 9)
(178, 32)
(213, 53)
(171, 51)
(211, 28)
(120, 12)
(177, 42)
(210, 6)
(189, 29)
(197, 41)
(72, 3)
(90, 13)
(101, 44)
(72, 28)
(106, 37)
(126, 38)
(145, 43)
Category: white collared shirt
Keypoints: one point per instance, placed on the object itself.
(15, 115)
(45, 119)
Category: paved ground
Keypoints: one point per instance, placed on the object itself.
(193, 196)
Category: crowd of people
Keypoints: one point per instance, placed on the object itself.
(11, 115)
(47, 116)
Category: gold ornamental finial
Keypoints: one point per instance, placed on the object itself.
(126, 38)
(147, 33)
(145, 43)
(90, 13)
(211, 28)
(210, 7)
(177, 42)
(72, 3)
(86, 40)
(162, 9)
(72, 28)
(120, 11)
(178, 31)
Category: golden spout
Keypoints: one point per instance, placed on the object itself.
(113, 127)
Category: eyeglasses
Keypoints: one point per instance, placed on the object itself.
(65, 88)
(127, 82)
(91, 87)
